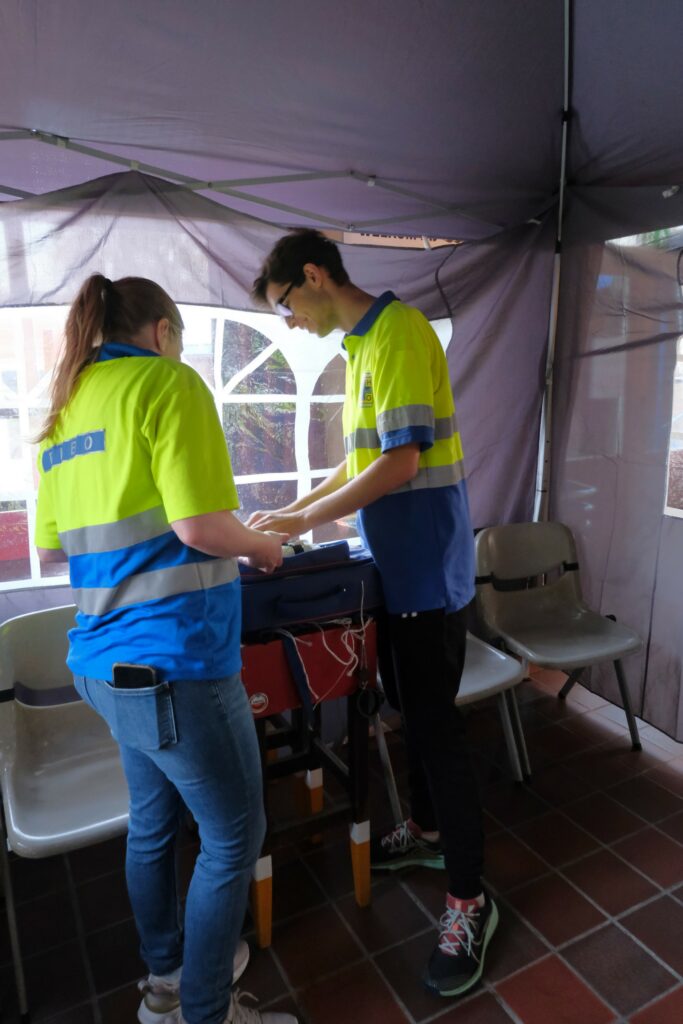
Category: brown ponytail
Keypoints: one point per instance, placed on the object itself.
(103, 311)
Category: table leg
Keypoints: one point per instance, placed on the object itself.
(262, 900)
(310, 791)
(358, 727)
(360, 861)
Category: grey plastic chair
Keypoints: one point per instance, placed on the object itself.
(491, 673)
(60, 772)
(529, 597)
(487, 673)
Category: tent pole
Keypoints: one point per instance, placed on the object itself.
(542, 497)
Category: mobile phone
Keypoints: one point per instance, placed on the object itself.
(133, 677)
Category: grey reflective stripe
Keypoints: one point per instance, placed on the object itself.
(434, 476)
(363, 437)
(112, 536)
(405, 416)
(444, 427)
(151, 586)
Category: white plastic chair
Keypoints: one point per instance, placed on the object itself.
(529, 597)
(60, 772)
(487, 673)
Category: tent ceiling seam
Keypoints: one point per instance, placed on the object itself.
(226, 187)
(19, 193)
(271, 204)
(135, 165)
(440, 204)
(274, 179)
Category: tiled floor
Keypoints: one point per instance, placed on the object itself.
(586, 864)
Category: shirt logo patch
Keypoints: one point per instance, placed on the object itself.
(366, 397)
(82, 444)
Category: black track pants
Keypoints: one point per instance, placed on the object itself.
(421, 663)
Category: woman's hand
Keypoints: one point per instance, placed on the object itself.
(267, 554)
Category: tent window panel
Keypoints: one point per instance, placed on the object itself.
(265, 494)
(325, 438)
(242, 345)
(260, 437)
(273, 376)
(15, 562)
(332, 381)
(339, 529)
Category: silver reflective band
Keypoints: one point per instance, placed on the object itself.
(366, 437)
(405, 416)
(112, 536)
(363, 437)
(444, 427)
(434, 476)
(151, 586)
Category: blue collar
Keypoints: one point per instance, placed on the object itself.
(119, 349)
(366, 321)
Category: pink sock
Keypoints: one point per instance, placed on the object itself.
(474, 903)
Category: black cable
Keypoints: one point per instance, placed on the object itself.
(437, 282)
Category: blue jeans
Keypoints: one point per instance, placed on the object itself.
(195, 742)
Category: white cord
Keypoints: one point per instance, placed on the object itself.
(347, 639)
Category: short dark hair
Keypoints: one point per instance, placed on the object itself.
(291, 252)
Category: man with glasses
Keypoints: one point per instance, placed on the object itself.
(403, 473)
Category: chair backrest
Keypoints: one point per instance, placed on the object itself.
(33, 650)
(517, 568)
(60, 770)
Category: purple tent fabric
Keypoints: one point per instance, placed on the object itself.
(614, 389)
(236, 91)
(440, 119)
(496, 293)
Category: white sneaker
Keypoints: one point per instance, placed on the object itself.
(240, 1014)
(161, 1002)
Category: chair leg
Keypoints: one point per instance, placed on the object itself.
(519, 732)
(513, 753)
(573, 678)
(632, 727)
(12, 922)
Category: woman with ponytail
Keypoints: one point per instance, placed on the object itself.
(136, 492)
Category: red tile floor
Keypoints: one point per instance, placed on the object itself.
(586, 864)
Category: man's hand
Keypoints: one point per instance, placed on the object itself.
(256, 517)
(293, 524)
(335, 499)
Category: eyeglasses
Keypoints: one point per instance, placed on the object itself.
(281, 306)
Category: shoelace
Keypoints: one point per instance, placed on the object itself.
(458, 930)
(400, 839)
(239, 1013)
(158, 986)
(242, 1014)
